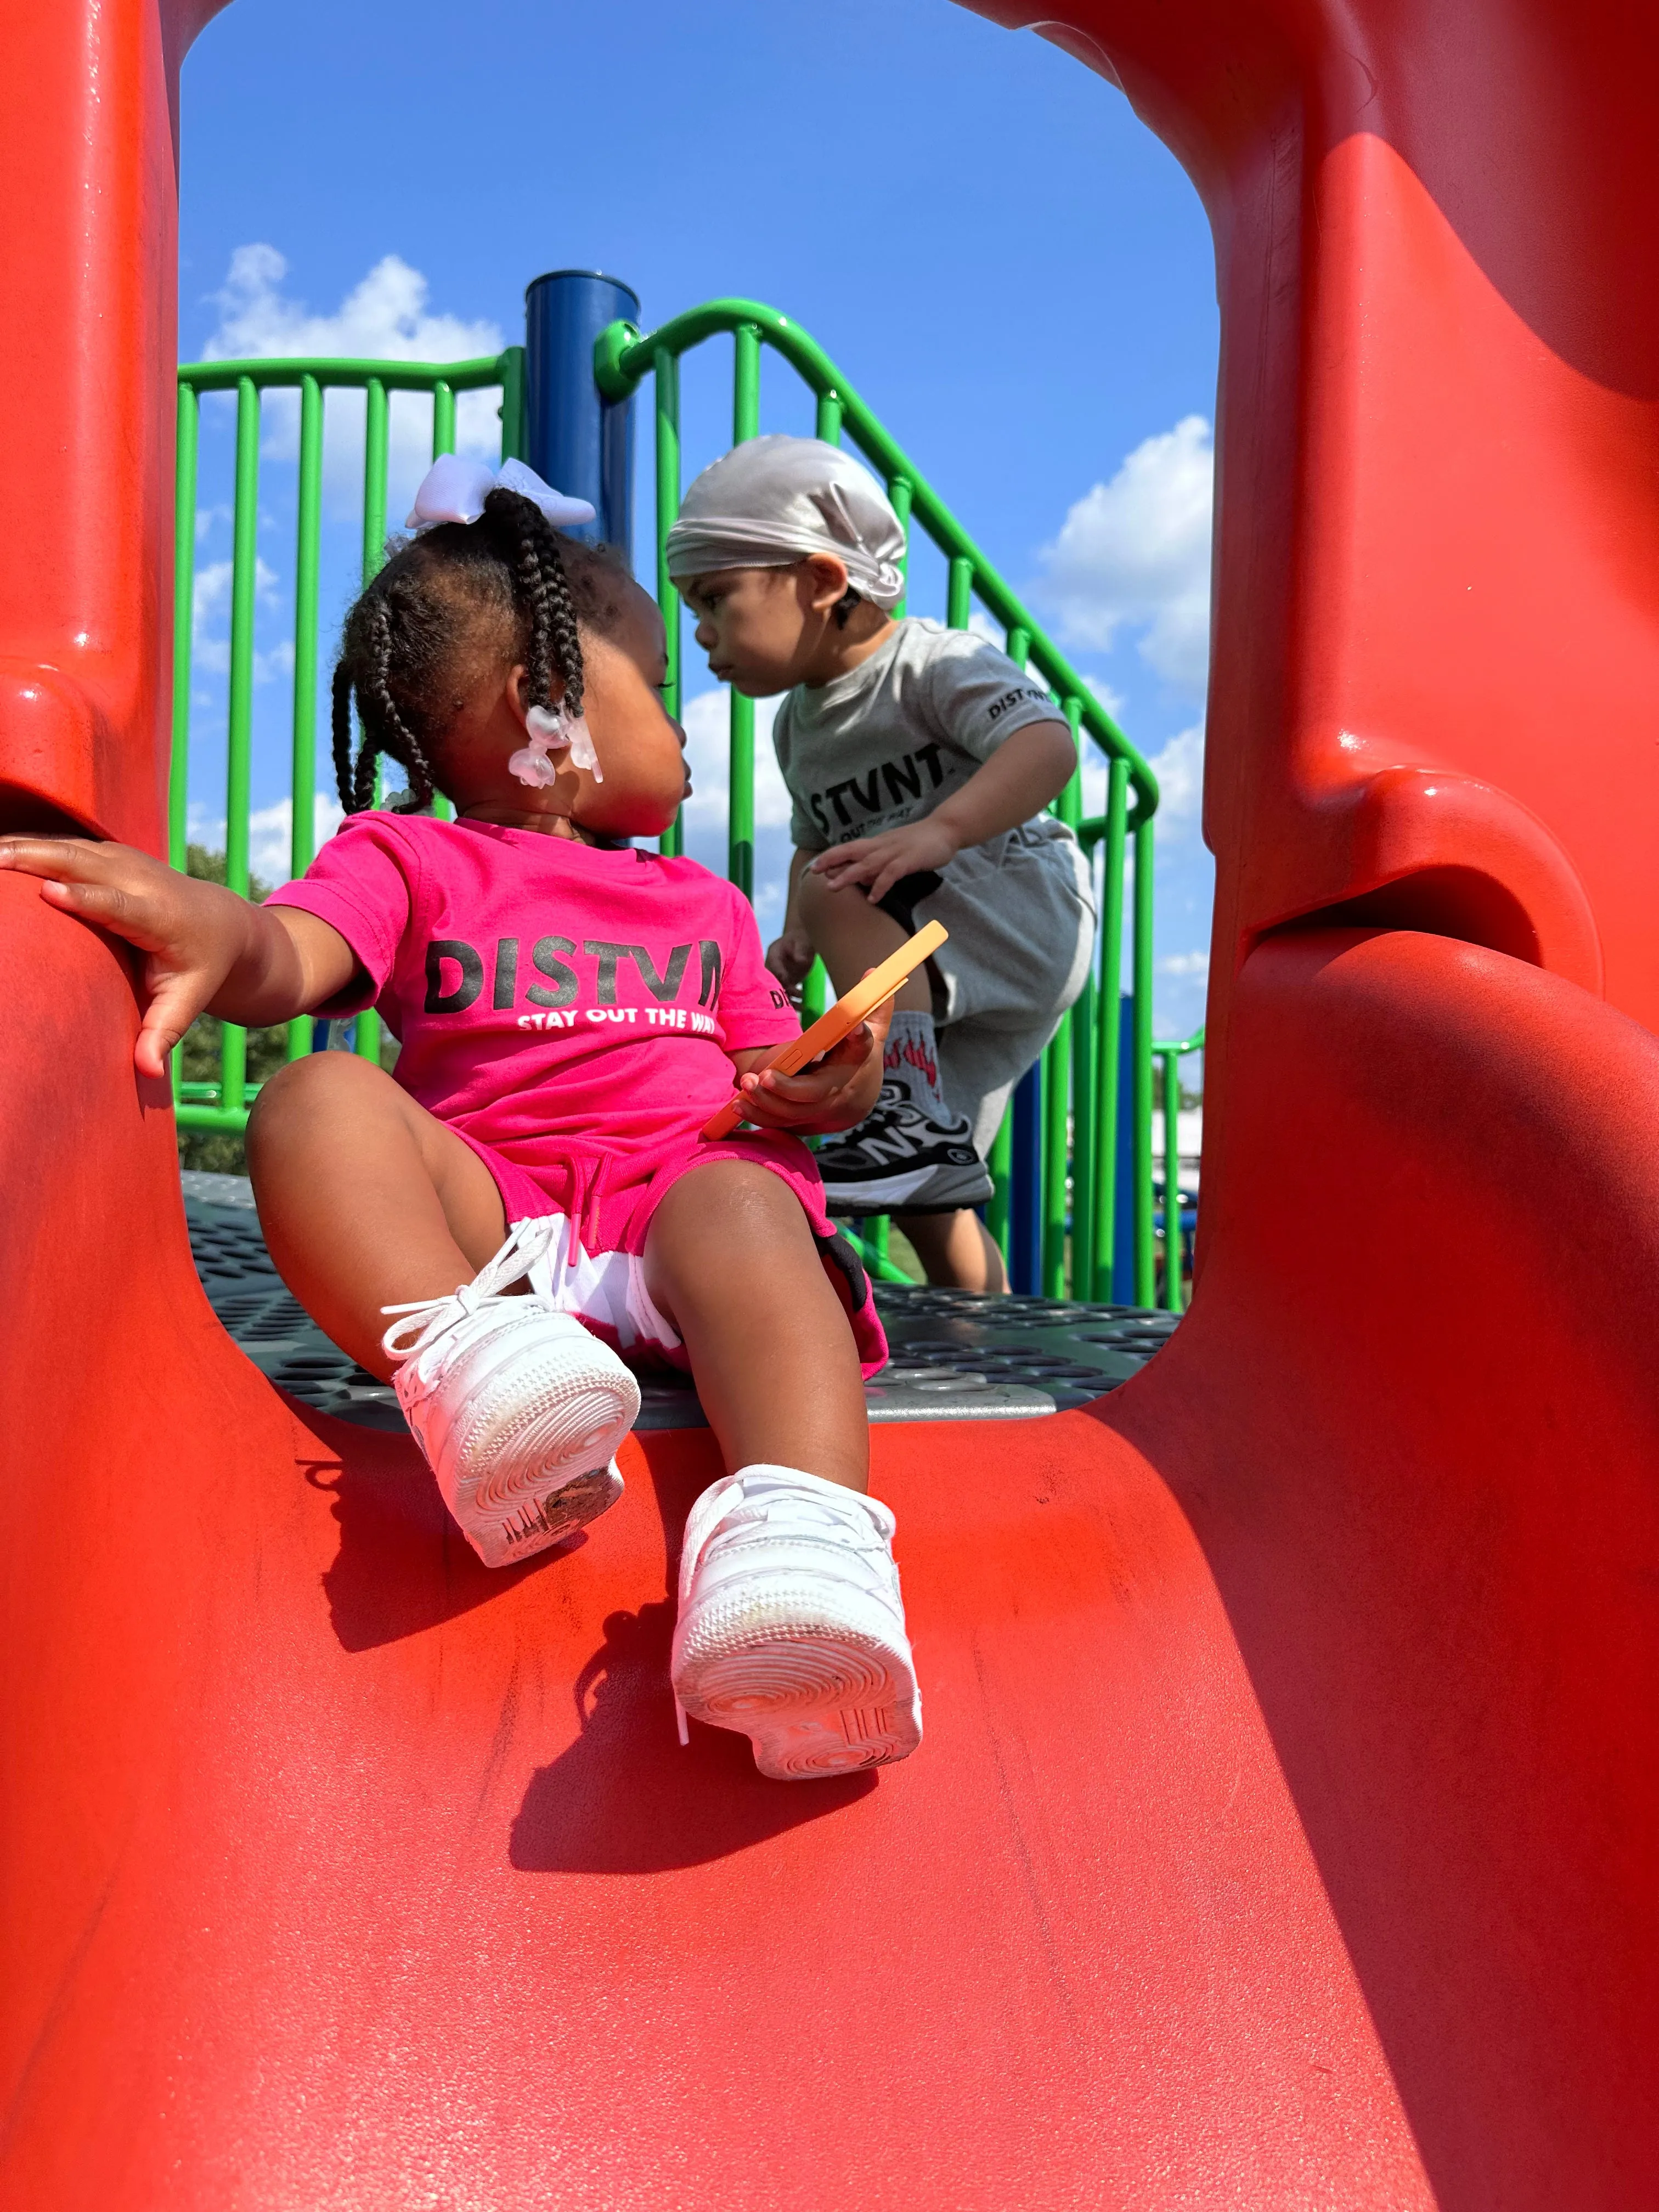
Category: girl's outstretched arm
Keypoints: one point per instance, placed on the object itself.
(206, 950)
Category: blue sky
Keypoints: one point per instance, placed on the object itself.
(1010, 267)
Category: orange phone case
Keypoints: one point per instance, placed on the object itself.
(846, 1014)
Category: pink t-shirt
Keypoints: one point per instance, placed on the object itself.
(568, 1011)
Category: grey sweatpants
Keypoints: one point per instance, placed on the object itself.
(1020, 909)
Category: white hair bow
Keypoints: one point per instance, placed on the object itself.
(454, 490)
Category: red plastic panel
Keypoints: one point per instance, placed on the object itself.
(1412, 1416)
(1436, 615)
(88, 193)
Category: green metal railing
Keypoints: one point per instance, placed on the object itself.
(1170, 1055)
(1081, 1073)
(223, 1104)
(1079, 1135)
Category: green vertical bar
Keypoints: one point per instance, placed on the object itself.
(375, 424)
(1019, 645)
(1057, 1073)
(814, 993)
(901, 492)
(878, 1233)
(1083, 1151)
(184, 624)
(666, 377)
(829, 422)
(1174, 1298)
(303, 832)
(1001, 1163)
(1080, 1146)
(443, 442)
(1069, 806)
(374, 444)
(740, 820)
(1145, 1256)
(1108, 1026)
(302, 782)
(239, 731)
(514, 430)
(1056, 1103)
(184, 597)
(443, 418)
(959, 596)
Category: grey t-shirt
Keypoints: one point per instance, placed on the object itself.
(884, 744)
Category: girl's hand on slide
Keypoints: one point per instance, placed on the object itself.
(191, 933)
(879, 862)
(835, 1092)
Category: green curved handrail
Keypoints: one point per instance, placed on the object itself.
(624, 356)
(395, 375)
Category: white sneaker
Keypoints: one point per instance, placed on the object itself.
(791, 1625)
(519, 1409)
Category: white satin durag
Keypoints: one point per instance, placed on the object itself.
(775, 500)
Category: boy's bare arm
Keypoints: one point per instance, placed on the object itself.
(791, 952)
(1026, 771)
(206, 950)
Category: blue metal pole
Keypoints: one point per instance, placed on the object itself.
(1025, 1210)
(579, 442)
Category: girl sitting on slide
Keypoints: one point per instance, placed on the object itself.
(527, 1200)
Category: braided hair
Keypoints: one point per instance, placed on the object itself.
(509, 585)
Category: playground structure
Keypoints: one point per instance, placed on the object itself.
(1285, 1832)
(1075, 1209)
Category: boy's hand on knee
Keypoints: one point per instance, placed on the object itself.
(835, 1092)
(789, 957)
(877, 863)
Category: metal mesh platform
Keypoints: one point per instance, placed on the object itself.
(955, 1356)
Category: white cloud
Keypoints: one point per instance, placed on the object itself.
(210, 608)
(384, 316)
(1185, 966)
(1179, 767)
(270, 833)
(708, 726)
(1114, 701)
(1135, 553)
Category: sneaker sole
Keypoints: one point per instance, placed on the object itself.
(813, 1702)
(547, 1470)
(542, 1522)
(925, 1190)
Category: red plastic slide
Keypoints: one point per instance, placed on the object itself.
(1285, 1832)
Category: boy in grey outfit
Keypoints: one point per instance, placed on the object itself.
(919, 761)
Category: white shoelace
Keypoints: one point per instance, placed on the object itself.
(526, 1243)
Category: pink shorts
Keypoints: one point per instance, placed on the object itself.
(613, 1199)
